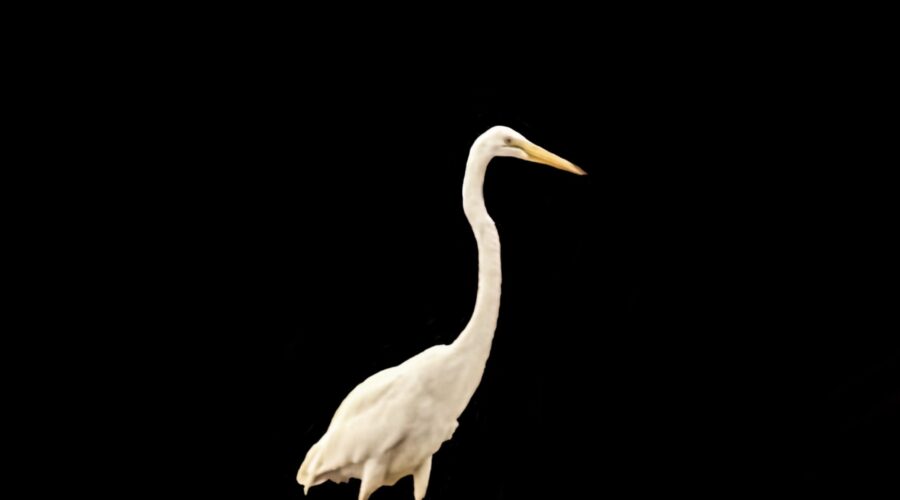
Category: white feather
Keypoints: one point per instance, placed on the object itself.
(391, 424)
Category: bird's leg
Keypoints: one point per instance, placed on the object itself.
(372, 478)
(420, 479)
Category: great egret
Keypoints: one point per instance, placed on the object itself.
(390, 425)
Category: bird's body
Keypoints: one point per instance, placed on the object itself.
(403, 408)
(391, 424)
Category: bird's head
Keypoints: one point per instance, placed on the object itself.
(504, 141)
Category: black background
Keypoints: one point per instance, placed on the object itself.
(706, 311)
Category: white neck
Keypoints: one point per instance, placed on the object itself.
(474, 343)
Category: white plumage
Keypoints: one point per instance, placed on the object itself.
(390, 425)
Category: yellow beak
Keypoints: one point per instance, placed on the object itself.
(538, 154)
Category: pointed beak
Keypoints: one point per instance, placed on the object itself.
(538, 154)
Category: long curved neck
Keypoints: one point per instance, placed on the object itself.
(474, 343)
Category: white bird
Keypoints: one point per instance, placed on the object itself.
(390, 425)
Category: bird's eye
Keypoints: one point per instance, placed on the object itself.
(507, 140)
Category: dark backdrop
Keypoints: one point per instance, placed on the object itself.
(706, 311)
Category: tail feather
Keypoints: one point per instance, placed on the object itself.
(306, 476)
(315, 468)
